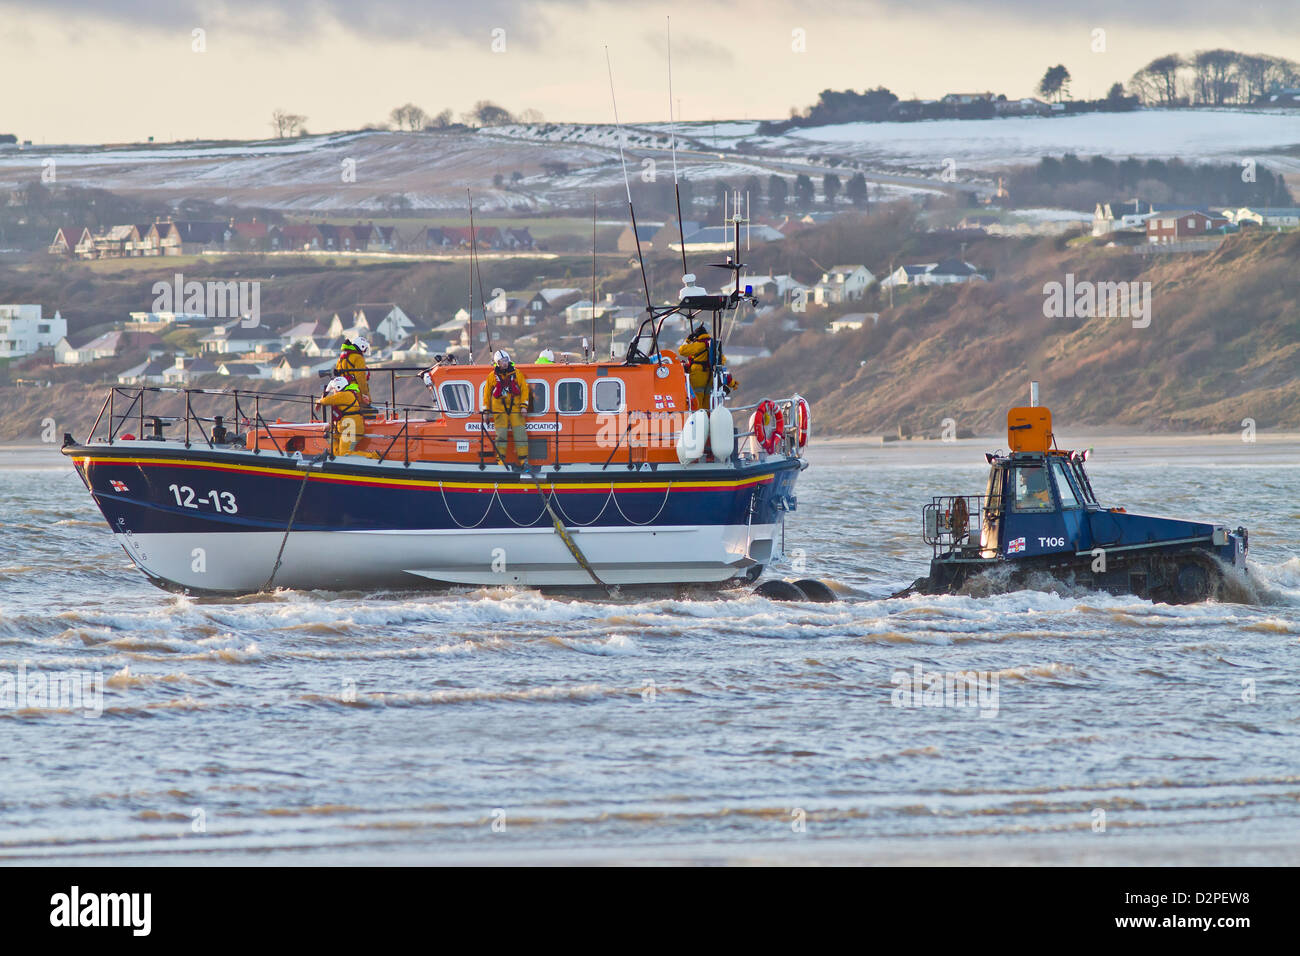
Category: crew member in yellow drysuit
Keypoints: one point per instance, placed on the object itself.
(343, 399)
(351, 365)
(694, 354)
(508, 402)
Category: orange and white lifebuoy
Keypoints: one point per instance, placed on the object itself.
(803, 417)
(769, 425)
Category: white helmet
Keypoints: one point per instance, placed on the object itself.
(362, 344)
(501, 357)
(336, 385)
(547, 356)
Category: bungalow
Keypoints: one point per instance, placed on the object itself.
(842, 284)
(186, 368)
(740, 354)
(82, 351)
(296, 366)
(1274, 217)
(244, 369)
(148, 372)
(948, 272)
(1167, 226)
(907, 275)
(233, 338)
(853, 321)
(413, 349)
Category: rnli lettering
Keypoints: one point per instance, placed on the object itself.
(528, 426)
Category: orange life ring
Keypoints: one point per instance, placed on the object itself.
(769, 425)
(802, 415)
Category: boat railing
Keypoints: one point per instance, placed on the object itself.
(949, 522)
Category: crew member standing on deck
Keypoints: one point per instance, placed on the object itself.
(351, 365)
(508, 402)
(694, 354)
(343, 398)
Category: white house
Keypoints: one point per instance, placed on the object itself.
(842, 284)
(1276, 217)
(234, 339)
(773, 288)
(100, 347)
(386, 318)
(723, 238)
(296, 366)
(154, 321)
(1127, 216)
(853, 321)
(186, 368)
(23, 330)
(947, 272)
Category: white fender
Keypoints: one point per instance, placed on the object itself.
(694, 436)
(722, 437)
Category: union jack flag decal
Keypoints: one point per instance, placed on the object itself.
(1016, 546)
(119, 485)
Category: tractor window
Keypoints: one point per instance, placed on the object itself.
(1030, 489)
(1064, 487)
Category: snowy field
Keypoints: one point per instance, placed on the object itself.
(374, 171)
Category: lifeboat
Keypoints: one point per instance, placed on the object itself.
(630, 484)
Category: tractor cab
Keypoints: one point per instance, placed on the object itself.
(1039, 513)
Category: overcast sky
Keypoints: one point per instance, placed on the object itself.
(86, 71)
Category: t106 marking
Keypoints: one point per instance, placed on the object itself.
(221, 501)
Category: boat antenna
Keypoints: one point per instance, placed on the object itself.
(471, 288)
(672, 139)
(627, 184)
(593, 275)
(473, 252)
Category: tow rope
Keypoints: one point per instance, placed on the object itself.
(292, 516)
(569, 543)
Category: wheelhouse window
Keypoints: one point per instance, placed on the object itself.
(457, 398)
(1030, 490)
(539, 393)
(571, 396)
(1064, 486)
(607, 395)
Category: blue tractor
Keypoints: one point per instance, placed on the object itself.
(1039, 516)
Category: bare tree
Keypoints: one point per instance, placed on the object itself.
(287, 124)
(409, 117)
(1213, 71)
(487, 113)
(440, 121)
(1157, 82)
(532, 116)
